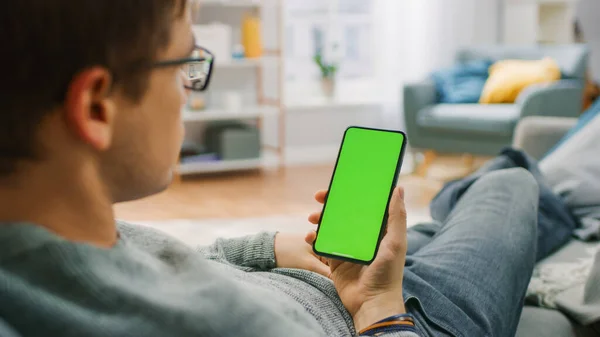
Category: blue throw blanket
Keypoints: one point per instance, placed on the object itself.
(556, 224)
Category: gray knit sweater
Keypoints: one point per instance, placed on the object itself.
(150, 284)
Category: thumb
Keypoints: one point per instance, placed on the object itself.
(397, 214)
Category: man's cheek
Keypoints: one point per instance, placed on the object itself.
(182, 84)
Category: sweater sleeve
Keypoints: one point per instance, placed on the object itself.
(250, 252)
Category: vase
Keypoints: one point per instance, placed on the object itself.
(328, 86)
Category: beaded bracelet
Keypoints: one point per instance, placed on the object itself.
(404, 322)
(401, 317)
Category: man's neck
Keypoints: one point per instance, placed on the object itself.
(74, 206)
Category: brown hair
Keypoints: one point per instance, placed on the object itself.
(45, 43)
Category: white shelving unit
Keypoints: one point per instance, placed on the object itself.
(255, 113)
(247, 113)
(232, 3)
(538, 21)
(341, 100)
(239, 63)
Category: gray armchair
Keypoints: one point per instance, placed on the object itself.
(485, 129)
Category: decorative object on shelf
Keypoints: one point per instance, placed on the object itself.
(238, 144)
(328, 86)
(191, 149)
(192, 152)
(328, 72)
(200, 158)
(233, 140)
(239, 52)
(232, 101)
(217, 38)
(251, 35)
(197, 101)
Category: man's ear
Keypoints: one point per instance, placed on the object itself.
(90, 112)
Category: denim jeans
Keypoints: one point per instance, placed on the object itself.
(468, 275)
(556, 224)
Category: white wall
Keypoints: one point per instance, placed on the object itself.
(412, 38)
(533, 22)
(587, 14)
(437, 28)
(314, 135)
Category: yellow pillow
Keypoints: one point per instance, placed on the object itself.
(509, 77)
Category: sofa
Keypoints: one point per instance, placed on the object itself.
(486, 129)
(536, 136)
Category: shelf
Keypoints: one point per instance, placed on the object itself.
(231, 3)
(540, 2)
(545, 2)
(239, 63)
(219, 166)
(254, 109)
(318, 102)
(221, 114)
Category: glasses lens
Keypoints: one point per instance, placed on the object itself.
(197, 72)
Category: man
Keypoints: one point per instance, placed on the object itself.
(90, 116)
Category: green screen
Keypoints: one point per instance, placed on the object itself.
(359, 193)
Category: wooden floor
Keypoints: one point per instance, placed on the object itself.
(254, 194)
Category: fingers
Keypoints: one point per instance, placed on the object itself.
(320, 268)
(324, 260)
(314, 218)
(396, 226)
(334, 264)
(311, 237)
(320, 196)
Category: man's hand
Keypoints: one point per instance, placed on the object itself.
(372, 293)
(292, 251)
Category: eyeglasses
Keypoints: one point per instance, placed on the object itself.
(197, 68)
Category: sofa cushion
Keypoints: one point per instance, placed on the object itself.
(544, 322)
(461, 83)
(550, 322)
(508, 78)
(537, 322)
(498, 119)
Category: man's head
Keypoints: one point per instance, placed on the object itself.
(79, 92)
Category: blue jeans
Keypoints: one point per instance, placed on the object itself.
(467, 276)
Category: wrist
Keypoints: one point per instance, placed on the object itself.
(377, 309)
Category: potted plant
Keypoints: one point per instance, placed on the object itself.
(328, 71)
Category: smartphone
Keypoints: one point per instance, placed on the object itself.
(355, 211)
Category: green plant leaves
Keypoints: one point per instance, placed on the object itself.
(327, 70)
